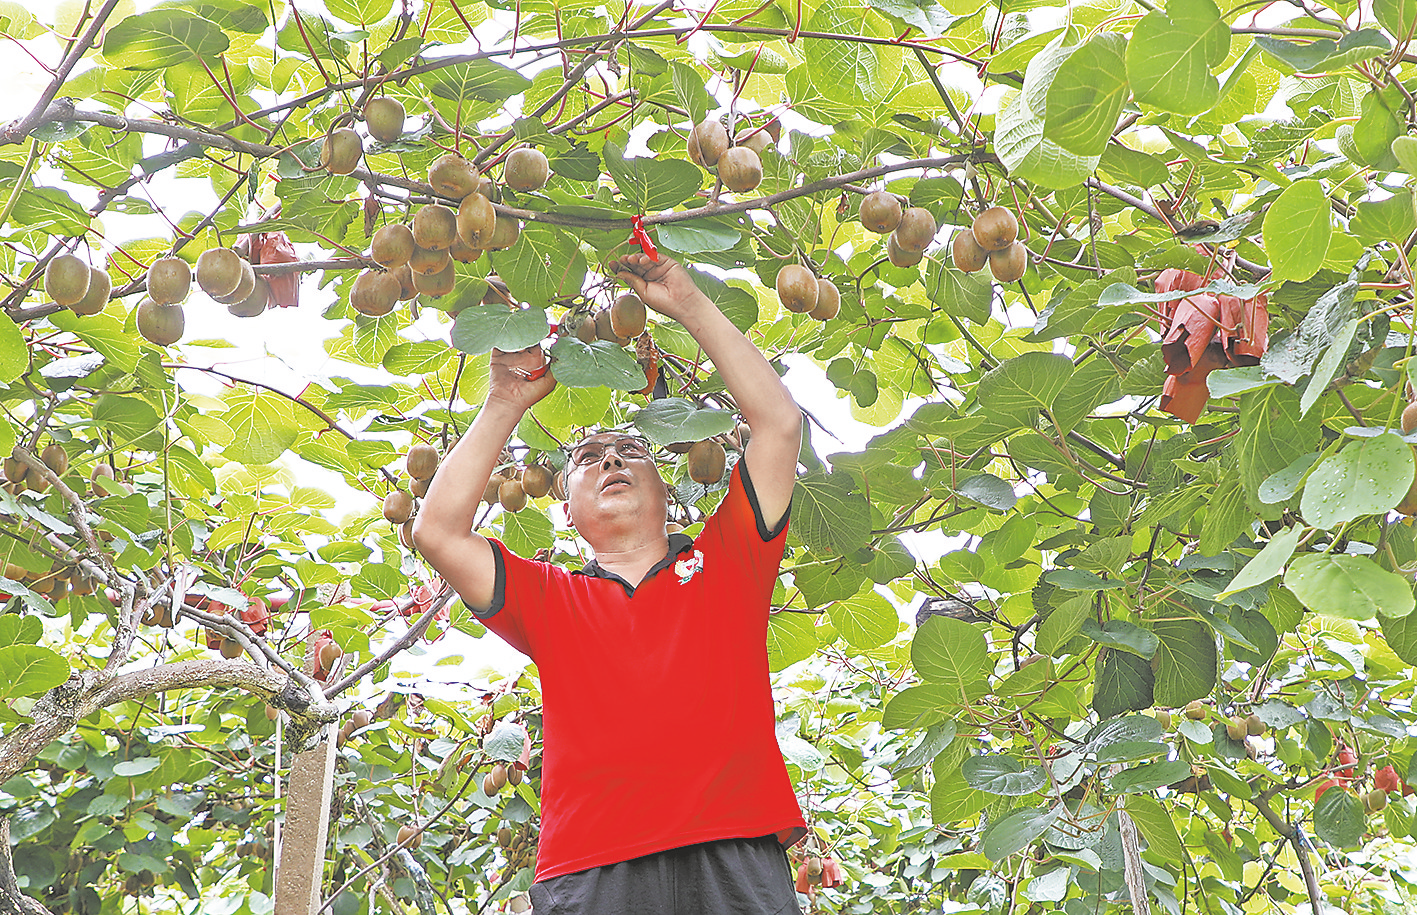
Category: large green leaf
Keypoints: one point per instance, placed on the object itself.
(1324, 55)
(1019, 136)
(543, 265)
(1023, 385)
(652, 184)
(1017, 831)
(262, 425)
(829, 513)
(846, 70)
(1273, 434)
(1353, 587)
(1156, 825)
(30, 670)
(481, 80)
(479, 328)
(1124, 683)
(1297, 230)
(1267, 563)
(1338, 818)
(1368, 477)
(163, 38)
(673, 419)
(952, 653)
(919, 706)
(1000, 773)
(1086, 95)
(589, 365)
(1399, 17)
(1186, 661)
(1171, 55)
(865, 620)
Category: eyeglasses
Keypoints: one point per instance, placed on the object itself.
(630, 449)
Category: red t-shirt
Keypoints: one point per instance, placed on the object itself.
(657, 710)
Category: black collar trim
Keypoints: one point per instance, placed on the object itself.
(679, 544)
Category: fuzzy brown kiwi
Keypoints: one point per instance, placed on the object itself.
(505, 233)
(384, 118)
(709, 140)
(493, 487)
(398, 506)
(256, 302)
(169, 280)
(706, 462)
(392, 245)
(512, 495)
(330, 652)
(797, 289)
(422, 461)
(967, 254)
(162, 324)
(603, 330)
(436, 284)
(244, 286)
(66, 279)
(407, 290)
(426, 260)
(1409, 418)
(462, 252)
(55, 458)
(476, 220)
(419, 488)
(453, 176)
(341, 153)
(585, 329)
(916, 229)
(361, 718)
(409, 836)
(756, 140)
(627, 315)
(219, 271)
(900, 257)
(1009, 263)
(536, 480)
(230, 649)
(880, 212)
(94, 300)
(526, 169)
(995, 229)
(828, 301)
(374, 293)
(740, 170)
(434, 227)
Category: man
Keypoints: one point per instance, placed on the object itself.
(663, 788)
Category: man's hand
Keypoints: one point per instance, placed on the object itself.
(507, 380)
(665, 286)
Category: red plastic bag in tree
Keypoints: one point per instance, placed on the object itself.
(1184, 395)
(1192, 329)
(275, 248)
(1174, 278)
(1252, 340)
(256, 615)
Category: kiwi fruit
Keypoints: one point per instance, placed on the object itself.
(55, 458)
(159, 323)
(558, 486)
(1009, 263)
(756, 140)
(406, 535)
(526, 169)
(489, 787)
(422, 461)
(94, 300)
(435, 227)
(1375, 801)
(453, 176)
(256, 302)
(99, 470)
(407, 290)
(419, 488)
(374, 293)
(880, 212)
(462, 252)
(230, 649)
(585, 329)
(497, 292)
(361, 718)
(384, 117)
(409, 836)
(330, 652)
(1236, 729)
(627, 316)
(476, 220)
(499, 775)
(1409, 418)
(828, 301)
(504, 836)
(706, 462)
(916, 229)
(493, 488)
(66, 279)
(392, 245)
(436, 284)
(512, 495)
(995, 229)
(36, 483)
(169, 280)
(219, 271)
(427, 260)
(1255, 726)
(505, 233)
(341, 152)
(244, 286)
(398, 506)
(900, 257)
(708, 141)
(536, 480)
(966, 253)
(797, 289)
(603, 330)
(740, 169)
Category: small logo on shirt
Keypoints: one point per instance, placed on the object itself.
(689, 566)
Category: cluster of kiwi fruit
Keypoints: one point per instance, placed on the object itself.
(619, 323)
(71, 282)
(357, 720)
(739, 165)
(512, 488)
(500, 776)
(911, 228)
(802, 293)
(18, 477)
(228, 278)
(993, 239)
(59, 580)
(1241, 726)
(420, 463)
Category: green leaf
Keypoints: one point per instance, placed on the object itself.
(865, 620)
(689, 87)
(527, 531)
(1017, 831)
(987, 490)
(1156, 825)
(829, 513)
(1000, 773)
(262, 425)
(479, 328)
(1334, 358)
(1122, 635)
(1186, 661)
(1094, 383)
(1399, 17)
(231, 15)
(1338, 818)
(791, 638)
(1352, 587)
(652, 184)
(1400, 632)
(1368, 477)
(20, 630)
(963, 295)
(590, 365)
(360, 12)
(1267, 563)
(698, 236)
(30, 670)
(544, 264)
(1147, 778)
(1273, 434)
(1297, 230)
(1292, 355)
(1019, 140)
(1124, 683)
(1059, 627)
(1390, 219)
(480, 80)
(130, 421)
(952, 653)
(919, 706)
(1020, 387)
(14, 354)
(673, 419)
(163, 38)
(1171, 55)
(1086, 95)
(848, 70)
(1324, 55)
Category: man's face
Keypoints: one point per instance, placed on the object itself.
(612, 480)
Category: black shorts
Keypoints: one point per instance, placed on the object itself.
(727, 877)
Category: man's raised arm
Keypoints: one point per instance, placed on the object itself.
(443, 531)
(764, 400)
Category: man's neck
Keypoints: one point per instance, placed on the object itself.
(631, 559)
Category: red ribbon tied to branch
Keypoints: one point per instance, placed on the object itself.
(639, 235)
